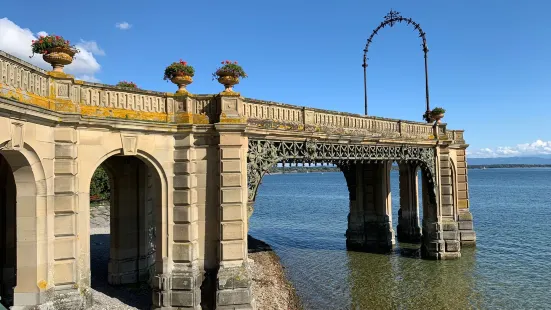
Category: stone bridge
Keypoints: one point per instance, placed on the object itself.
(184, 173)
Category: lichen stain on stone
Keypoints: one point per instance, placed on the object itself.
(42, 284)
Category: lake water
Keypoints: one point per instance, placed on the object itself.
(304, 218)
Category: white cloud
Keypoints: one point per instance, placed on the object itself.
(17, 41)
(123, 26)
(536, 148)
(91, 46)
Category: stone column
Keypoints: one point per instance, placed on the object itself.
(370, 219)
(408, 214)
(72, 238)
(464, 215)
(233, 289)
(179, 286)
(440, 230)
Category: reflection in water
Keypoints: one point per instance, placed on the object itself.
(395, 282)
(304, 217)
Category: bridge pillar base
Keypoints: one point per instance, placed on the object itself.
(177, 291)
(466, 230)
(441, 241)
(233, 288)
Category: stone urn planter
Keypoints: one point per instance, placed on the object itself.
(182, 81)
(59, 57)
(437, 114)
(437, 117)
(55, 50)
(181, 74)
(228, 81)
(228, 75)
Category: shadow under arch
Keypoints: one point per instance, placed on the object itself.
(137, 211)
(23, 218)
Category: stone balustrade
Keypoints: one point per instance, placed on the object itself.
(29, 84)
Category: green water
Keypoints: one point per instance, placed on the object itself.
(303, 217)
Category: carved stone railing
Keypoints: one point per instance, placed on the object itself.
(28, 84)
(272, 115)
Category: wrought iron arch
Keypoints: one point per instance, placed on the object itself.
(391, 19)
(263, 154)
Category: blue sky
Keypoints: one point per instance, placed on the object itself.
(489, 61)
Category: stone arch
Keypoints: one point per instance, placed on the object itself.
(90, 161)
(32, 258)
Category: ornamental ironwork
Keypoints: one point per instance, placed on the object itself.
(264, 154)
(391, 19)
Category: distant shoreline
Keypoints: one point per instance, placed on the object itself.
(319, 169)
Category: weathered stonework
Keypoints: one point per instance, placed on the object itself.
(185, 170)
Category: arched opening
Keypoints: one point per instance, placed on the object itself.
(8, 249)
(126, 200)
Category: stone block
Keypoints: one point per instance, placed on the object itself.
(447, 199)
(465, 216)
(184, 168)
(68, 151)
(231, 166)
(184, 282)
(447, 226)
(233, 297)
(461, 164)
(64, 272)
(461, 171)
(446, 180)
(182, 155)
(64, 248)
(185, 214)
(232, 231)
(232, 212)
(182, 197)
(446, 190)
(183, 298)
(462, 186)
(452, 246)
(65, 184)
(232, 195)
(183, 252)
(64, 225)
(444, 163)
(231, 153)
(450, 235)
(65, 203)
(468, 236)
(185, 232)
(461, 178)
(183, 181)
(64, 166)
(447, 210)
(65, 135)
(463, 204)
(231, 179)
(232, 250)
(466, 225)
(228, 139)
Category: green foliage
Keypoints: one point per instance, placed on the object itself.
(437, 111)
(178, 68)
(44, 43)
(231, 69)
(127, 84)
(100, 187)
